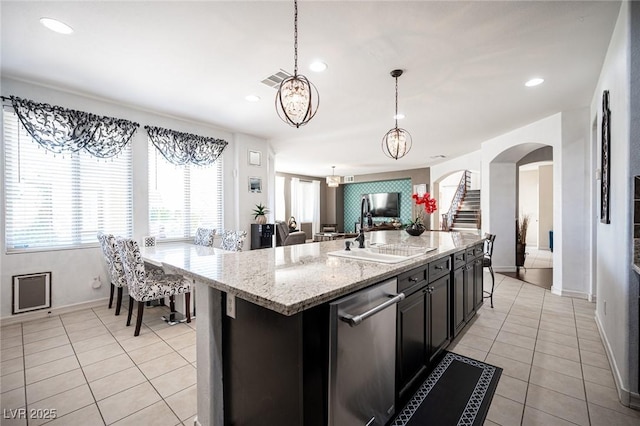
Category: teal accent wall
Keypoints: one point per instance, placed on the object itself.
(353, 194)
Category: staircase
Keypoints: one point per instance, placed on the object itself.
(467, 217)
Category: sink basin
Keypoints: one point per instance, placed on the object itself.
(374, 255)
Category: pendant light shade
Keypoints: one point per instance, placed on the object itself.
(297, 99)
(333, 181)
(397, 142)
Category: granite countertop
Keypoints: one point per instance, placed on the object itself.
(291, 279)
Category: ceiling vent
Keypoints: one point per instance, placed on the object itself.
(275, 79)
(349, 179)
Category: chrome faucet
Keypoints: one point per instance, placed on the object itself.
(364, 209)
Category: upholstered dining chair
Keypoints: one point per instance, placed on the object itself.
(114, 266)
(204, 237)
(145, 285)
(486, 263)
(233, 240)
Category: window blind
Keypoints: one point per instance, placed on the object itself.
(183, 198)
(61, 201)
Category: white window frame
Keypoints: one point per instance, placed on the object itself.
(90, 204)
(188, 225)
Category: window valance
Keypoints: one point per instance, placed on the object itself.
(65, 131)
(183, 148)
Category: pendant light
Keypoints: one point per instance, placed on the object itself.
(297, 99)
(333, 181)
(396, 143)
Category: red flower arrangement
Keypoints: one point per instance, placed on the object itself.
(429, 204)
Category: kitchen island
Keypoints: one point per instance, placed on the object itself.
(263, 319)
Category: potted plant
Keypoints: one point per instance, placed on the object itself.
(260, 214)
(416, 227)
(521, 239)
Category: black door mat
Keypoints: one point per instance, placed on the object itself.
(457, 392)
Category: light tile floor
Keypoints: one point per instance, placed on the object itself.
(89, 367)
(555, 371)
(538, 258)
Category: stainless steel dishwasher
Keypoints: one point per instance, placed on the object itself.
(363, 356)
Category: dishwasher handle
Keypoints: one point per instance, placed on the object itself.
(354, 320)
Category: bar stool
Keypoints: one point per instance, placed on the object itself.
(233, 240)
(145, 286)
(114, 266)
(486, 263)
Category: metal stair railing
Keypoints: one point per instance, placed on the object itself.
(461, 191)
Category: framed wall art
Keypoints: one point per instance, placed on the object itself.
(255, 158)
(605, 165)
(255, 184)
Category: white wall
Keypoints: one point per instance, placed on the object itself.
(613, 255)
(545, 205)
(499, 214)
(528, 203)
(73, 270)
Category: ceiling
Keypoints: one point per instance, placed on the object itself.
(465, 67)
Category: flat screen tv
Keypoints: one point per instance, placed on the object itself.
(386, 204)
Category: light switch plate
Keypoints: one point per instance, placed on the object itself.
(231, 305)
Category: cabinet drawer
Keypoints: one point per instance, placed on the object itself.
(411, 278)
(439, 268)
(459, 259)
(478, 250)
(470, 254)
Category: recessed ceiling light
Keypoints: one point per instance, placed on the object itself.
(57, 26)
(252, 98)
(534, 82)
(318, 66)
(399, 116)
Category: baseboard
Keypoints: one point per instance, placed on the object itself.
(634, 400)
(196, 422)
(623, 394)
(569, 293)
(44, 313)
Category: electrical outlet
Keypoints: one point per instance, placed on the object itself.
(231, 305)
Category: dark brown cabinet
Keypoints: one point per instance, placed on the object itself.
(412, 342)
(438, 316)
(469, 306)
(457, 305)
(423, 324)
(477, 283)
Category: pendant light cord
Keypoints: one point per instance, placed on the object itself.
(396, 116)
(295, 38)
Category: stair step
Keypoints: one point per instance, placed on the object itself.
(465, 225)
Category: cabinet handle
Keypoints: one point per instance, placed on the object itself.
(439, 268)
(413, 280)
(459, 258)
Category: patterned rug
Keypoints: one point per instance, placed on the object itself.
(457, 392)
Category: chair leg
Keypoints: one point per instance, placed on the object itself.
(172, 303)
(111, 295)
(119, 301)
(139, 319)
(130, 310)
(493, 282)
(187, 305)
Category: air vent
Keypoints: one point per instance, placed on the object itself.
(275, 79)
(349, 179)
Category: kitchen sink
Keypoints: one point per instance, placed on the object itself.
(380, 255)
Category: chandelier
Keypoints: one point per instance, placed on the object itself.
(297, 99)
(396, 143)
(333, 181)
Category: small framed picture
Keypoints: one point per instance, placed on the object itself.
(255, 184)
(420, 189)
(31, 292)
(255, 158)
